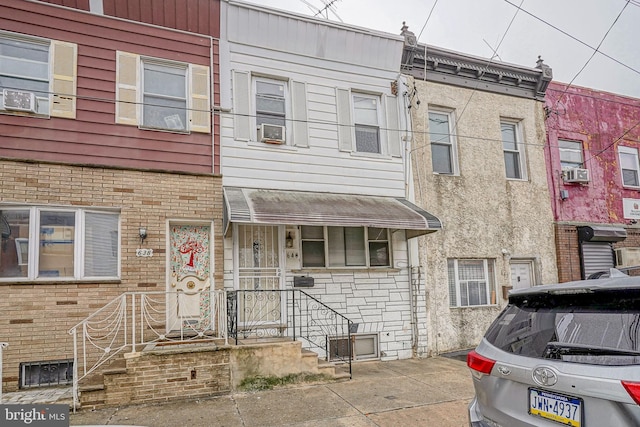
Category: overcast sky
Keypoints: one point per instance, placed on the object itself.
(472, 26)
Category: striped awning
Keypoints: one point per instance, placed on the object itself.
(276, 207)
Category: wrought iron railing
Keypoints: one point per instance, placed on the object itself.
(290, 313)
(136, 319)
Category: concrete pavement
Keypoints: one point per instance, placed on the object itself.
(413, 392)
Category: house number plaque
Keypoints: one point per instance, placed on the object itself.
(144, 253)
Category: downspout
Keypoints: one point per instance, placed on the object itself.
(406, 160)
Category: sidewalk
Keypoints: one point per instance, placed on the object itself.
(429, 392)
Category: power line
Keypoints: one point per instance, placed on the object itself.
(488, 63)
(594, 52)
(573, 37)
(428, 18)
(329, 123)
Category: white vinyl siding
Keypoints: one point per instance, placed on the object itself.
(471, 282)
(368, 123)
(46, 68)
(153, 93)
(278, 102)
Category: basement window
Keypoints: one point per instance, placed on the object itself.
(364, 347)
(46, 373)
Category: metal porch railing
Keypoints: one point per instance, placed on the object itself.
(136, 319)
(291, 313)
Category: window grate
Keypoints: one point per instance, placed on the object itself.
(46, 373)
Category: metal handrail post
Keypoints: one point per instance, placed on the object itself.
(133, 320)
(3, 345)
(75, 369)
(293, 310)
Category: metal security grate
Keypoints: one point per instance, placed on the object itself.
(46, 373)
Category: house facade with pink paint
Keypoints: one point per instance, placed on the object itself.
(593, 172)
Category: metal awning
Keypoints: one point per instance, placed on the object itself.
(255, 206)
(601, 233)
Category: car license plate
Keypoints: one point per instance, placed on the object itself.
(557, 407)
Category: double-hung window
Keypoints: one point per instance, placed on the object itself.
(159, 94)
(345, 247)
(32, 71)
(442, 140)
(471, 282)
(366, 114)
(570, 154)
(164, 96)
(270, 102)
(52, 243)
(629, 166)
(513, 150)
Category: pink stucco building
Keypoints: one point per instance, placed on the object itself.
(593, 172)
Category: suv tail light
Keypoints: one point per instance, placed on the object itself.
(480, 364)
(633, 389)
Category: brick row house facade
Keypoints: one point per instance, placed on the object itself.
(593, 139)
(109, 164)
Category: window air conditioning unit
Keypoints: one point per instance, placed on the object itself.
(272, 134)
(627, 257)
(576, 175)
(19, 100)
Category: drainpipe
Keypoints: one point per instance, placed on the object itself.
(408, 188)
(3, 345)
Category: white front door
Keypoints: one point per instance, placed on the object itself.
(521, 274)
(258, 276)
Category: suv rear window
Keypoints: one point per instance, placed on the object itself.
(600, 328)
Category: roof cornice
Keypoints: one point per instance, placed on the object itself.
(430, 63)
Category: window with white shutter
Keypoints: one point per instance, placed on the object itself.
(165, 95)
(37, 76)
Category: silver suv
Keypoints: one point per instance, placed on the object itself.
(561, 354)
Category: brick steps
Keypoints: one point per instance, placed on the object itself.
(164, 373)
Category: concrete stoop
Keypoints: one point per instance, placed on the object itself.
(170, 372)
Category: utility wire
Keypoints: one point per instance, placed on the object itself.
(427, 21)
(573, 37)
(486, 66)
(593, 54)
(326, 122)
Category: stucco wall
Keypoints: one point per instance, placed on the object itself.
(482, 211)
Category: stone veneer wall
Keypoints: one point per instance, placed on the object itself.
(378, 301)
(36, 316)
